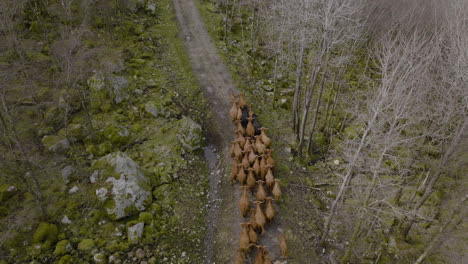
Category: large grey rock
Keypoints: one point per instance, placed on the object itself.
(129, 191)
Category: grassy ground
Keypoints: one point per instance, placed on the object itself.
(158, 73)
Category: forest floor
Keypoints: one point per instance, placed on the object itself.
(224, 217)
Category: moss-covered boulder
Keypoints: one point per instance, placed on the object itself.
(99, 258)
(67, 259)
(119, 88)
(98, 94)
(62, 248)
(68, 173)
(56, 144)
(54, 116)
(45, 235)
(190, 134)
(86, 245)
(117, 135)
(76, 131)
(127, 189)
(7, 191)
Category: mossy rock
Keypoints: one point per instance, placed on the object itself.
(117, 245)
(117, 135)
(62, 248)
(56, 144)
(102, 149)
(45, 235)
(190, 134)
(86, 245)
(99, 96)
(76, 131)
(7, 191)
(54, 117)
(100, 258)
(67, 259)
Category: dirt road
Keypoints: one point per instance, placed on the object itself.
(223, 227)
(223, 217)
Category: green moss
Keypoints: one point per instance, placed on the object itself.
(352, 132)
(34, 27)
(104, 148)
(130, 210)
(96, 216)
(61, 248)
(117, 135)
(116, 245)
(92, 149)
(67, 259)
(100, 258)
(62, 236)
(145, 217)
(51, 141)
(45, 235)
(54, 117)
(86, 245)
(150, 234)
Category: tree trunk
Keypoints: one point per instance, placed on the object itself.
(297, 91)
(307, 101)
(275, 82)
(252, 37)
(317, 107)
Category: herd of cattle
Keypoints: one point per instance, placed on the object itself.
(252, 168)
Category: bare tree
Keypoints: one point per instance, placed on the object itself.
(458, 215)
(338, 22)
(401, 62)
(451, 104)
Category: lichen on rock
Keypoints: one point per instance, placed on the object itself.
(128, 191)
(135, 232)
(190, 134)
(56, 143)
(119, 87)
